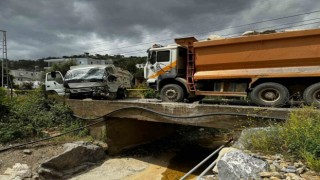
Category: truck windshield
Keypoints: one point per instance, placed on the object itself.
(88, 73)
(152, 57)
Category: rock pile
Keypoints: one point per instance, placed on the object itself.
(279, 168)
(237, 164)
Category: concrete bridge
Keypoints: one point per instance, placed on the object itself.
(134, 126)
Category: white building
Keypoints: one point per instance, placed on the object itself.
(21, 76)
(78, 61)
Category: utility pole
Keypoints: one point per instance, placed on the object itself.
(4, 57)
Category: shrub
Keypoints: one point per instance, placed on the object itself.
(298, 137)
(26, 86)
(263, 139)
(4, 109)
(2, 95)
(31, 115)
(150, 93)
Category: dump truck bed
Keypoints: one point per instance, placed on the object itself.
(277, 50)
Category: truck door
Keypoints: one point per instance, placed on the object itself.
(54, 82)
(159, 62)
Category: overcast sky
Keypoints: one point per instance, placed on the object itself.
(42, 28)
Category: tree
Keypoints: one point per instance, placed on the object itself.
(64, 67)
(26, 86)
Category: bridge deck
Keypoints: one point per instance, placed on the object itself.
(96, 108)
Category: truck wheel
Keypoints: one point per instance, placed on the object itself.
(172, 93)
(269, 94)
(312, 95)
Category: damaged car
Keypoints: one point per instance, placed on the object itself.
(92, 81)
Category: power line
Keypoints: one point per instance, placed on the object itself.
(233, 34)
(269, 27)
(226, 10)
(232, 27)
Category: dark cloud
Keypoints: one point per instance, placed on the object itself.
(41, 28)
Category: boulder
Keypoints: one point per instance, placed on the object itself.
(239, 165)
(77, 156)
(222, 153)
(27, 151)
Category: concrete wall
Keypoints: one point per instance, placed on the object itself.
(133, 127)
(97, 108)
(123, 133)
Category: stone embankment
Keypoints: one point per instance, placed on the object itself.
(237, 163)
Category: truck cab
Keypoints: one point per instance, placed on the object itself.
(167, 65)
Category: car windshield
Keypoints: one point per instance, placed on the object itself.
(87, 73)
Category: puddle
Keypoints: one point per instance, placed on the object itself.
(185, 159)
(182, 151)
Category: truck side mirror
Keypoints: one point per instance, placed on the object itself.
(53, 74)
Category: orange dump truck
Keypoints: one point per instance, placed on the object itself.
(268, 68)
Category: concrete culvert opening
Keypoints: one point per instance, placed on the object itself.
(169, 157)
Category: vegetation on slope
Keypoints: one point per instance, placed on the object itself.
(33, 116)
(298, 137)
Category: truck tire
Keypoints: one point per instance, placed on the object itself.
(311, 95)
(172, 93)
(269, 94)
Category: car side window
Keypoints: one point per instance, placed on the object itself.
(58, 78)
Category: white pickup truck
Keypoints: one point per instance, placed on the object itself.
(93, 81)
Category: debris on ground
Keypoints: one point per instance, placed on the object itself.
(39, 153)
(17, 172)
(232, 165)
(27, 151)
(77, 157)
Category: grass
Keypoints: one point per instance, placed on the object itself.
(298, 137)
(26, 118)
